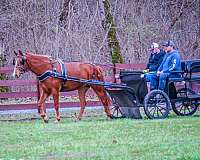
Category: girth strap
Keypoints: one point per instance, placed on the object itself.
(50, 73)
(63, 69)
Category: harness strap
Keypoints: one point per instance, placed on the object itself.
(50, 73)
(62, 66)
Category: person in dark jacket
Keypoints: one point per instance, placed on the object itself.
(171, 62)
(155, 58)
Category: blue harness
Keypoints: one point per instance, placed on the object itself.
(50, 73)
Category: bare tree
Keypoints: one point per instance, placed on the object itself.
(108, 24)
(73, 30)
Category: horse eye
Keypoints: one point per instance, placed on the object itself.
(22, 62)
(14, 61)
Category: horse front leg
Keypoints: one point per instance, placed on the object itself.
(81, 93)
(56, 105)
(41, 108)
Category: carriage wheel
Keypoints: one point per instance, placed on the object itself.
(185, 107)
(156, 104)
(117, 111)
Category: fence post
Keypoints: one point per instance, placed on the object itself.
(114, 73)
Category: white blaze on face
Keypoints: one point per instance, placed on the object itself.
(14, 72)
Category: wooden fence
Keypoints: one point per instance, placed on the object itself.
(10, 95)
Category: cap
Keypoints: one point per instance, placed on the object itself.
(154, 45)
(169, 43)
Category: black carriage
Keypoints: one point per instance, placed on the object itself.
(178, 95)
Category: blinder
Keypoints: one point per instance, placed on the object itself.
(14, 61)
(22, 62)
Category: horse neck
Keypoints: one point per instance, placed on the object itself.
(38, 64)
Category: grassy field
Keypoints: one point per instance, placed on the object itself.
(97, 138)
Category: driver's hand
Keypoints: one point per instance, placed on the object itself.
(146, 71)
(159, 72)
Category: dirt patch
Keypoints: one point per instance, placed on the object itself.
(32, 115)
(31, 100)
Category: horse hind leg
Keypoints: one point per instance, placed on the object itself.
(81, 94)
(103, 97)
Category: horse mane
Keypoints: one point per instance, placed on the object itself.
(38, 55)
(39, 61)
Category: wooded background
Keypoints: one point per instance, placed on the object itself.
(94, 30)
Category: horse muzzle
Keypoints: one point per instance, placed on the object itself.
(17, 74)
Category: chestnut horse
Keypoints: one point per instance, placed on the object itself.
(39, 64)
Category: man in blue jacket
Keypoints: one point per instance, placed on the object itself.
(171, 62)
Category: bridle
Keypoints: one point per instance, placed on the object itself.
(22, 67)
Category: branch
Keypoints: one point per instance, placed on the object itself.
(180, 13)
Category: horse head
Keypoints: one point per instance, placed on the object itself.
(20, 64)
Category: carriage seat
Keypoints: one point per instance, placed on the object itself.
(193, 68)
(179, 79)
(190, 71)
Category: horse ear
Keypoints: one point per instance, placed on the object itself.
(15, 53)
(20, 52)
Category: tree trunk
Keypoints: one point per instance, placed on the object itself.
(108, 24)
(64, 13)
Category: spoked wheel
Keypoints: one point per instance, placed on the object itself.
(156, 104)
(184, 106)
(117, 111)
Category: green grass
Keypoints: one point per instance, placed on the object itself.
(97, 138)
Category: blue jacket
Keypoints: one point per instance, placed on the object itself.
(171, 62)
(155, 60)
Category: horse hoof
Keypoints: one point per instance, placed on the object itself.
(110, 117)
(46, 120)
(76, 119)
(57, 120)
